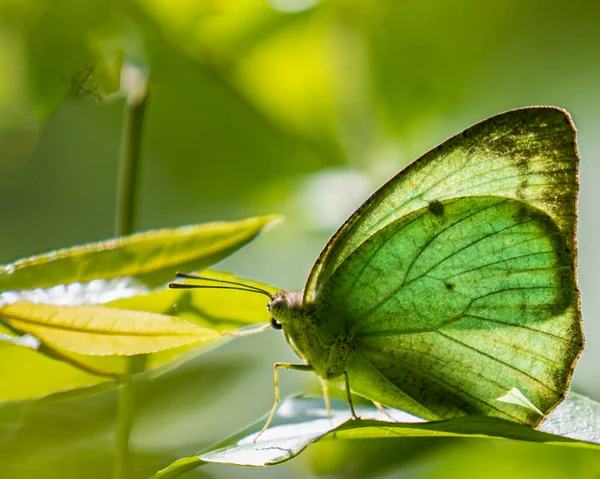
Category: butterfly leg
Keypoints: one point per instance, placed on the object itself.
(383, 410)
(349, 396)
(326, 397)
(276, 366)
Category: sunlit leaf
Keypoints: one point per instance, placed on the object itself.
(153, 256)
(98, 330)
(97, 291)
(221, 309)
(44, 375)
(217, 310)
(300, 421)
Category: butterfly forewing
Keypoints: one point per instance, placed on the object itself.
(527, 154)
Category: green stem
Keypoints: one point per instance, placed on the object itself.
(125, 417)
(127, 204)
(129, 180)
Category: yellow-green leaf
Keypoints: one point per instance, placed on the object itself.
(217, 309)
(214, 309)
(27, 374)
(152, 256)
(98, 330)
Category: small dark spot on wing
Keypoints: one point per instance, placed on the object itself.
(436, 207)
(450, 286)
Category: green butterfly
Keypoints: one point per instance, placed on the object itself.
(453, 290)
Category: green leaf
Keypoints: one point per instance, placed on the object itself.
(98, 330)
(27, 374)
(205, 308)
(152, 256)
(218, 310)
(300, 421)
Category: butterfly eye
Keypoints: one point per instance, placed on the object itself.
(275, 324)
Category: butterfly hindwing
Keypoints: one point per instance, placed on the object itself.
(457, 304)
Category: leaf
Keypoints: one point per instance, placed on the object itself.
(99, 330)
(205, 308)
(213, 309)
(153, 256)
(27, 374)
(300, 421)
(97, 291)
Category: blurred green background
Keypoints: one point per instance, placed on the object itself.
(300, 107)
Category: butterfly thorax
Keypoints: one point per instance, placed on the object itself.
(301, 331)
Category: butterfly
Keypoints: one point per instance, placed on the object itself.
(452, 290)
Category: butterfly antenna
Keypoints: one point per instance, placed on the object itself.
(229, 284)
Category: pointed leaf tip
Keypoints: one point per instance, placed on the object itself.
(152, 256)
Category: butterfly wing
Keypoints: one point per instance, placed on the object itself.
(455, 282)
(527, 154)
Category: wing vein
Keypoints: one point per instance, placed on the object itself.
(443, 230)
(449, 385)
(520, 326)
(510, 366)
(502, 260)
(404, 283)
(472, 243)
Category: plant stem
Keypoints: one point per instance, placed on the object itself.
(125, 417)
(128, 191)
(126, 220)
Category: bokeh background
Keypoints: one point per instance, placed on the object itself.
(299, 107)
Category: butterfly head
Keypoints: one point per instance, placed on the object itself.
(282, 307)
